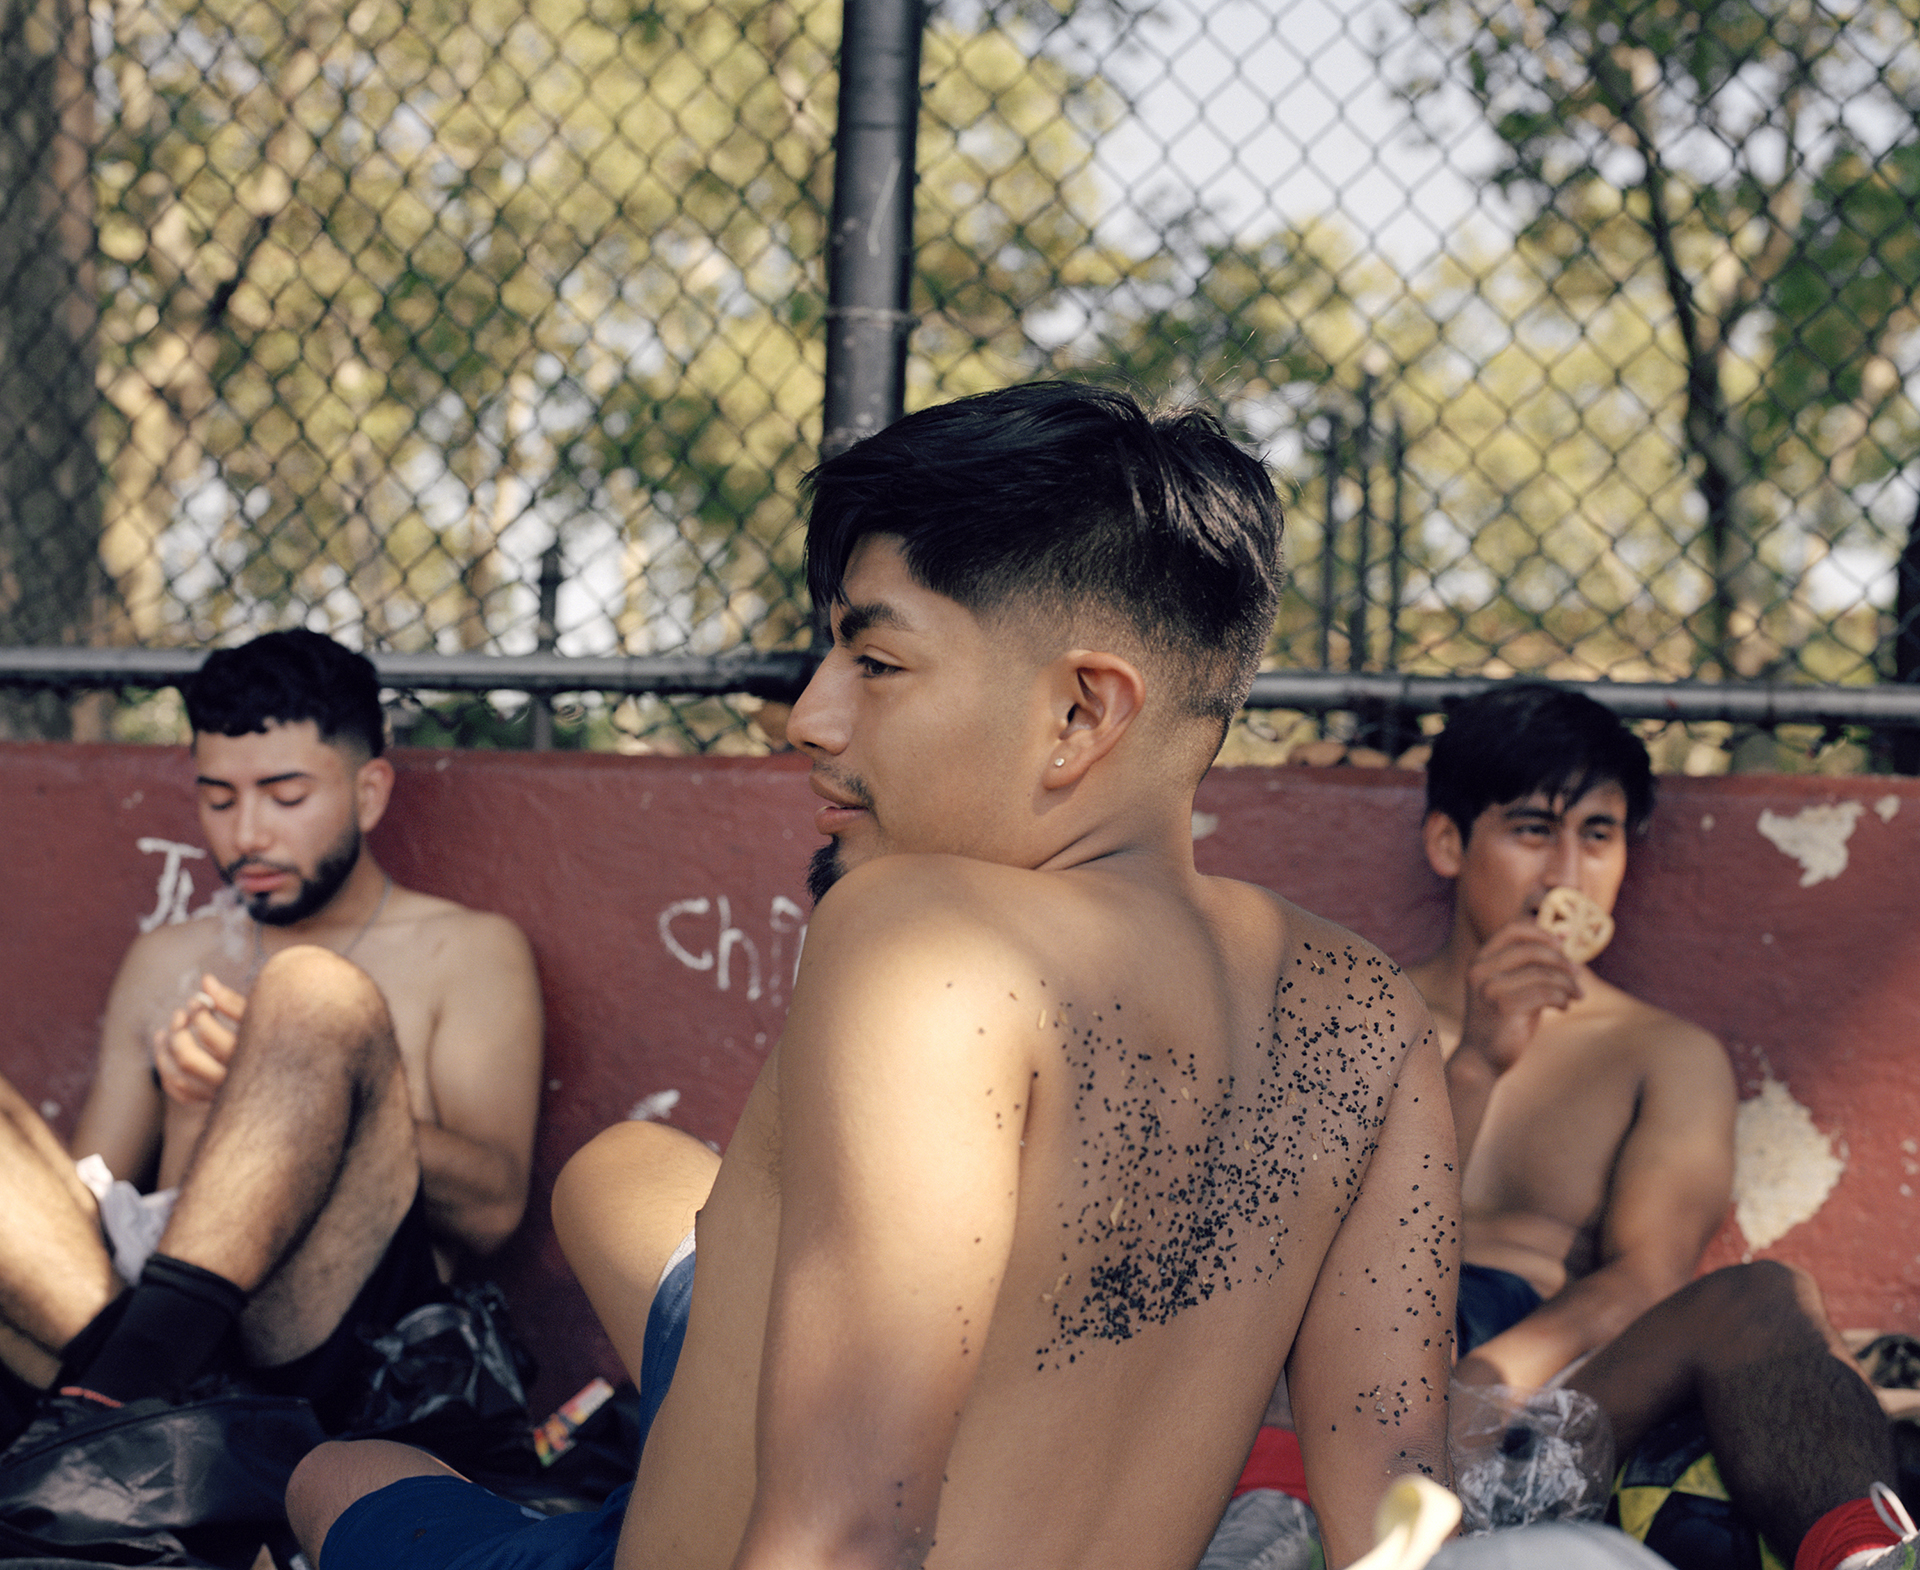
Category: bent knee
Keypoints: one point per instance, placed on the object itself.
(337, 1474)
(635, 1166)
(635, 1152)
(1762, 1286)
(318, 1493)
(1762, 1306)
(325, 995)
(308, 970)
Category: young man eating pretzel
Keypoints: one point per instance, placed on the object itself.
(1596, 1129)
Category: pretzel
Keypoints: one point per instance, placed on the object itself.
(1581, 927)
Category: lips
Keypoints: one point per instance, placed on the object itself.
(841, 808)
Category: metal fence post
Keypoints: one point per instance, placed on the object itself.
(870, 248)
(546, 638)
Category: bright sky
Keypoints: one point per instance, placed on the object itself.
(1275, 110)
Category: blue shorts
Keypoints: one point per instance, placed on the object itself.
(1490, 1301)
(447, 1523)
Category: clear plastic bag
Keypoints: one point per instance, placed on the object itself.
(1521, 1456)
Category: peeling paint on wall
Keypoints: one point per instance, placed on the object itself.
(1204, 823)
(650, 1109)
(1816, 837)
(1783, 1166)
(1887, 806)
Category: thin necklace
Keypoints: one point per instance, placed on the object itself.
(347, 952)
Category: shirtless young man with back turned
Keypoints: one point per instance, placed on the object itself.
(342, 1088)
(1597, 1129)
(1064, 1149)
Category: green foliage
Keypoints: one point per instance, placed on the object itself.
(1710, 150)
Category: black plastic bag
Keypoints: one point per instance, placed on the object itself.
(158, 1483)
(452, 1378)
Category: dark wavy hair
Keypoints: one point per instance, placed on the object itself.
(1053, 497)
(287, 677)
(1523, 737)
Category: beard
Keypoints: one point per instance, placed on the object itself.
(824, 870)
(314, 894)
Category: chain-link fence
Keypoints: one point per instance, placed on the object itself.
(1582, 332)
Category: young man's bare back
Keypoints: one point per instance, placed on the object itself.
(1153, 1100)
(1059, 1136)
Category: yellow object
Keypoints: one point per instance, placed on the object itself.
(1414, 1519)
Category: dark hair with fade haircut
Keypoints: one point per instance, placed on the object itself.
(1529, 737)
(284, 678)
(1052, 495)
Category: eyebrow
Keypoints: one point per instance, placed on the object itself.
(856, 619)
(271, 779)
(1523, 813)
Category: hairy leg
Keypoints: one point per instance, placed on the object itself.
(621, 1206)
(307, 1164)
(332, 1476)
(1794, 1427)
(55, 1273)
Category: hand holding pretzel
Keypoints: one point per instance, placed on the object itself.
(1519, 973)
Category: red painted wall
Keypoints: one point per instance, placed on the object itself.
(663, 898)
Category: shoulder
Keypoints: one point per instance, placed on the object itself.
(1325, 959)
(909, 947)
(935, 906)
(1656, 1028)
(457, 931)
(166, 952)
(455, 962)
(1673, 1051)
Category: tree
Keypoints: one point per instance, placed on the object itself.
(49, 490)
(398, 291)
(1698, 134)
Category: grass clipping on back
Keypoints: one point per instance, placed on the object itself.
(1576, 923)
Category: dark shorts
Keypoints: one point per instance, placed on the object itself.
(666, 1330)
(447, 1523)
(1490, 1301)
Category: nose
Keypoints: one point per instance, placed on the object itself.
(250, 826)
(818, 723)
(1563, 865)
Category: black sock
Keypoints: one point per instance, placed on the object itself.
(174, 1321)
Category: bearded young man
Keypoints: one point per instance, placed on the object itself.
(1065, 1148)
(328, 1119)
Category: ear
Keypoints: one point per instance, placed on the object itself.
(1096, 697)
(1446, 853)
(372, 789)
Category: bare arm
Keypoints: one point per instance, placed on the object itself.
(121, 1118)
(1368, 1371)
(483, 1071)
(1669, 1194)
(898, 1186)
